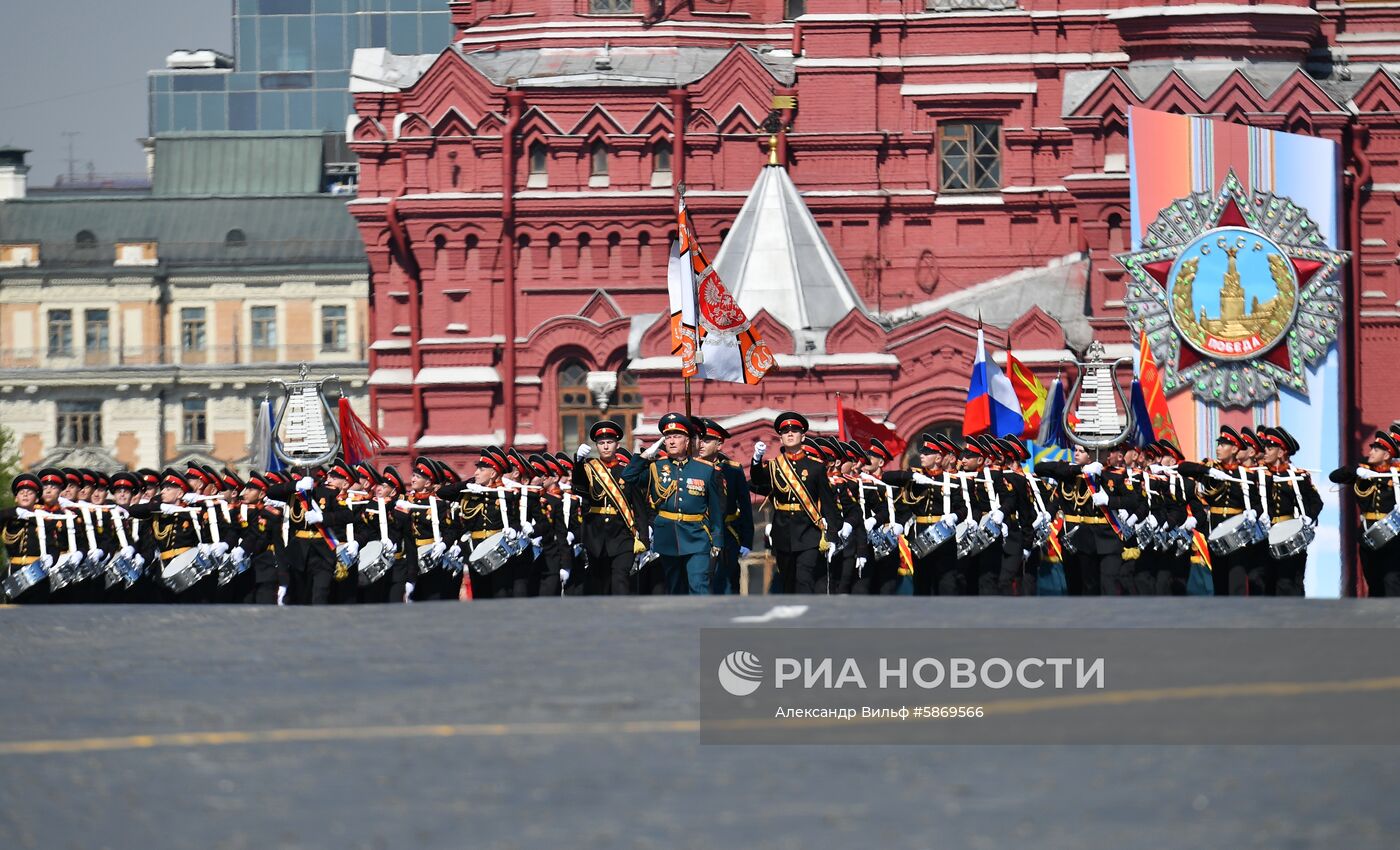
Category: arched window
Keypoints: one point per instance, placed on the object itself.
(1116, 243)
(539, 166)
(598, 164)
(235, 238)
(85, 240)
(661, 163)
(579, 408)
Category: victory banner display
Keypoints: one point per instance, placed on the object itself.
(1235, 288)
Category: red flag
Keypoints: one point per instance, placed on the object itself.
(1153, 392)
(1030, 392)
(854, 425)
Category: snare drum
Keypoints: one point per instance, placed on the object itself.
(642, 559)
(376, 557)
(972, 539)
(23, 578)
(929, 537)
(1382, 531)
(426, 561)
(1233, 534)
(64, 571)
(1290, 537)
(495, 552)
(185, 570)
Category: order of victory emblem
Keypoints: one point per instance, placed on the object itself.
(1237, 293)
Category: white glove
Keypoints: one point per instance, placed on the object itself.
(510, 533)
(1100, 498)
(997, 517)
(759, 449)
(139, 562)
(1156, 468)
(455, 550)
(352, 549)
(569, 538)
(869, 523)
(24, 513)
(408, 592)
(237, 554)
(1250, 515)
(1025, 554)
(1001, 529)
(831, 553)
(1094, 468)
(281, 594)
(438, 549)
(537, 542)
(95, 555)
(306, 483)
(897, 528)
(191, 498)
(314, 516)
(1122, 516)
(584, 450)
(1367, 472)
(205, 548)
(653, 450)
(845, 531)
(920, 478)
(127, 552)
(46, 562)
(72, 559)
(170, 509)
(218, 550)
(1220, 475)
(744, 551)
(473, 487)
(66, 503)
(527, 528)
(1151, 521)
(1190, 524)
(563, 576)
(860, 565)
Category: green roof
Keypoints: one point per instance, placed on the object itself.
(191, 232)
(238, 164)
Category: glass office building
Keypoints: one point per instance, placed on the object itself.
(291, 64)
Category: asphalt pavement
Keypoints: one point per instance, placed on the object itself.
(573, 724)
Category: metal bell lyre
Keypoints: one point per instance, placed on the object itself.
(310, 424)
(1098, 426)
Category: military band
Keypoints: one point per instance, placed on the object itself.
(972, 516)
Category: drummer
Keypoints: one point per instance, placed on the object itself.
(257, 536)
(379, 520)
(1375, 485)
(173, 527)
(1223, 497)
(929, 494)
(1290, 495)
(24, 535)
(431, 534)
(484, 510)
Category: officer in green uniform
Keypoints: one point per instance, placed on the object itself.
(686, 496)
(738, 509)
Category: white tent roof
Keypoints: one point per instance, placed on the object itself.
(776, 259)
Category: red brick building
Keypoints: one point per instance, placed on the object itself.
(960, 157)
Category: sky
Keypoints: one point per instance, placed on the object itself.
(80, 66)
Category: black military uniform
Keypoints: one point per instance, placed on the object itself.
(387, 523)
(25, 539)
(1093, 550)
(918, 506)
(612, 535)
(805, 518)
(1373, 485)
(881, 575)
(257, 531)
(1222, 496)
(174, 530)
(310, 553)
(984, 494)
(1289, 494)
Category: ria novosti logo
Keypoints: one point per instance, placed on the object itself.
(740, 673)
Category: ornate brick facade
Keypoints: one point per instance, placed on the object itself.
(480, 296)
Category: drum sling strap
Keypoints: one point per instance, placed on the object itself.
(809, 506)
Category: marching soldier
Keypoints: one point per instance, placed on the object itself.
(431, 536)
(612, 536)
(1289, 494)
(926, 497)
(880, 575)
(381, 519)
(1226, 492)
(981, 499)
(1375, 484)
(738, 508)
(805, 518)
(687, 496)
(1090, 496)
(257, 536)
(314, 511)
(26, 539)
(175, 529)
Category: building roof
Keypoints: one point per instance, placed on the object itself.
(245, 163)
(189, 231)
(775, 258)
(1205, 76)
(1059, 288)
(378, 70)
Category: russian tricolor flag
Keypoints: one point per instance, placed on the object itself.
(992, 407)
